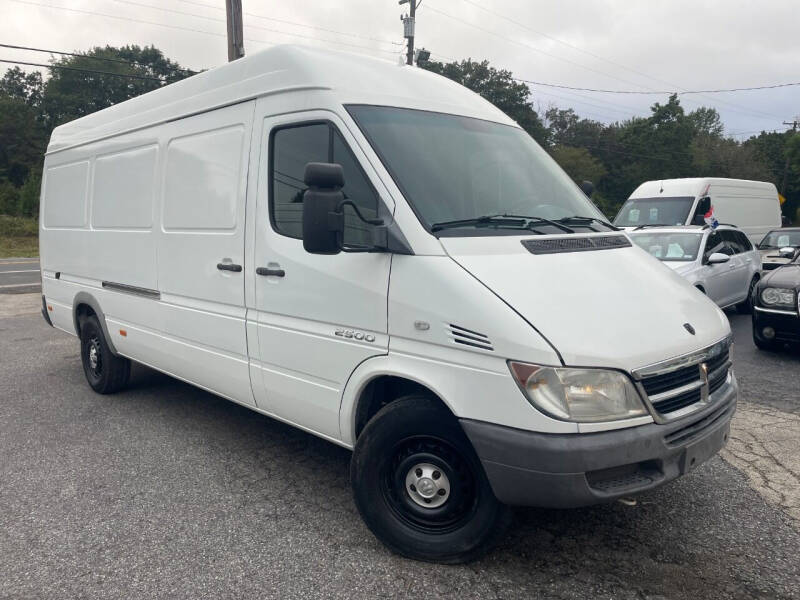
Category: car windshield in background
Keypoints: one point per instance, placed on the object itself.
(669, 246)
(780, 239)
(654, 211)
(453, 168)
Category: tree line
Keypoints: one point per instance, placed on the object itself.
(616, 157)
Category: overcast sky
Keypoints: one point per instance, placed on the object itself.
(610, 44)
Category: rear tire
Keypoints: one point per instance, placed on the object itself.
(105, 372)
(420, 487)
(746, 307)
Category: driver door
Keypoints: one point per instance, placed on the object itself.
(719, 279)
(316, 317)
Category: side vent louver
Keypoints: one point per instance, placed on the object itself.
(576, 244)
(467, 337)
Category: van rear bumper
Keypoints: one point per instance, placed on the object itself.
(568, 470)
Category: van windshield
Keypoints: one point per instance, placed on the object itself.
(669, 246)
(453, 168)
(654, 211)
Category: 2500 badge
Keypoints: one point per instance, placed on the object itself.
(354, 335)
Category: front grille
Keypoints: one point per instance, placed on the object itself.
(696, 429)
(674, 390)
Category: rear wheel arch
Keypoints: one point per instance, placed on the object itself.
(84, 305)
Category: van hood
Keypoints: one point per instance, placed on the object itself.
(618, 308)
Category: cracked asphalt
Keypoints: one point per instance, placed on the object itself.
(165, 491)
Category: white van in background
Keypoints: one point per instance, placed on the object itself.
(752, 206)
(376, 255)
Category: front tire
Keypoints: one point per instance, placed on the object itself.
(420, 487)
(105, 372)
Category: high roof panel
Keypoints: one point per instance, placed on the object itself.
(351, 78)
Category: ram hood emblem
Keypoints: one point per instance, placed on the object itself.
(688, 327)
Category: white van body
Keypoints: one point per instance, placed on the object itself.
(752, 206)
(156, 220)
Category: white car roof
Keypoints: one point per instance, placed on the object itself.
(350, 79)
(694, 186)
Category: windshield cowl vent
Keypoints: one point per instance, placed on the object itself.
(467, 337)
(576, 244)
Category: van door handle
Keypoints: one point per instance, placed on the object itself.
(229, 267)
(270, 272)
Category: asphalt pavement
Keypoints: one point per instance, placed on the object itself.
(19, 275)
(166, 491)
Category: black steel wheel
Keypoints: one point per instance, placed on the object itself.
(105, 372)
(420, 487)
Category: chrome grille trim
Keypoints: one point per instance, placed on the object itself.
(696, 385)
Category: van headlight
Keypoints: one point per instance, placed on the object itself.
(772, 296)
(580, 395)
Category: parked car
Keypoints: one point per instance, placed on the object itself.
(779, 246)
(721, 262)
(752, 206)
(380, 257)
(776, 314)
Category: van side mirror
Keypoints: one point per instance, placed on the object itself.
(717, 258)
(587, 187)
(321, 233)
(323, 213)
(787, 252)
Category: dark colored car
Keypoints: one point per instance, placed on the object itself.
(776, 313)
(772, 244)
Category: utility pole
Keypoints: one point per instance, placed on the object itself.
(233, 10)
(794, 125)
(408, 28)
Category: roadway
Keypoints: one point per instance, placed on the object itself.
(166, 491)
(19, 275)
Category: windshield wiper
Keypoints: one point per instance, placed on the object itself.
(513, 221)
(651, 225)
(582, 219)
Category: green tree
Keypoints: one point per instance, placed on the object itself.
(29, 195)
(72, 94)
(22, 140)
(19, 85)
(498, 87)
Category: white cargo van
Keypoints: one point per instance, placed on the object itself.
(752, 206)
(380, 257)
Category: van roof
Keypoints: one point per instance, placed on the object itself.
(694, 186)
(352, 78)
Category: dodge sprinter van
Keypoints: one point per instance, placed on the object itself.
(752, 206)
(378, 256)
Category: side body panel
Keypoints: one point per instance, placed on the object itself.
(162, 207)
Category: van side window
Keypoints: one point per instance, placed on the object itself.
(293, 147)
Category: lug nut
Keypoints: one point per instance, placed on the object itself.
(413, 488)
(441, 492)
(436, 474)
(418, 472)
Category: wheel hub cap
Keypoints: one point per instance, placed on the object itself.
(93, 357)
(427, 485)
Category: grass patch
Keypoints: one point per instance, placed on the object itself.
(18, 237)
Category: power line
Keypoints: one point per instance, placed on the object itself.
(523, 44)
(297, 24)
(602, 58)
(662, 92)
(33, 64)
(169, 26)
(267, 29)
(103, 58)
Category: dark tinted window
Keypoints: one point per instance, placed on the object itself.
(744, 241)
(732, 240)
(292, 148)
(715, 243)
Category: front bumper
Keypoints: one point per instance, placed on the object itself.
(785, 324)
(527, 468)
